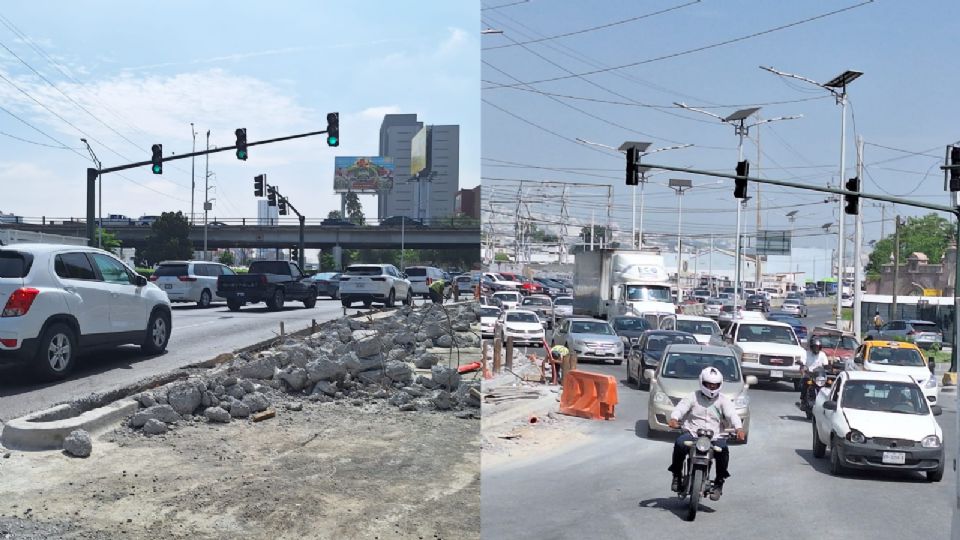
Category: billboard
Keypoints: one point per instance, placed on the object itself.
(773, 243)
(362, 174)
(418, 152)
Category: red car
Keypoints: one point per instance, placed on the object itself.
(527, 285)
(836, 345)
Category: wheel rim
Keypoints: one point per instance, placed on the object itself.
(59, 352)
(278, 299)
(205, 298)
(159, 332)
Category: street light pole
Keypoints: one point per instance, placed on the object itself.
(857, 241)
(193, 178)
(679, 185)
(206, 197)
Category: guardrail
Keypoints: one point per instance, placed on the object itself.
(447, 222)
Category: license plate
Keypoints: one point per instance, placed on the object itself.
(168, 286)
(361, 285)
(241, 295)
(776, 374)
(894, 458)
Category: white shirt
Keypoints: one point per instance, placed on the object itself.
(815, 361)
(699, 412)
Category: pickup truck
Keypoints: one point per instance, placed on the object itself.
(273, 282)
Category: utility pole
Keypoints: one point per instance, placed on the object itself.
(206, 197)
(592, 218)
(857, 241)
(896, 268)
(757, 265)
(193, 179)
(96, 162)
(563, 226)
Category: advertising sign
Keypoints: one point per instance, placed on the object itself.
(418, 152)
(773, 243)
(362, 174)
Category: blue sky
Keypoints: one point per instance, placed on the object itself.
(146, 71)
(904, 101)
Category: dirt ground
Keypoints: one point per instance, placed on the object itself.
(332, 471)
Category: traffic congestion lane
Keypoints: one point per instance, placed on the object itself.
(197, 334)
(777, 488)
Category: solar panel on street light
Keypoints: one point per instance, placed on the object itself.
(640, 146)
(843, 79)
(680, 183)
(741, 114)
(792, 213)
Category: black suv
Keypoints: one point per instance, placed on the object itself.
(757, 302)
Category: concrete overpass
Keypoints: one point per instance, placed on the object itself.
(286, 236)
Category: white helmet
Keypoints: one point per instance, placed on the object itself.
(711, 380)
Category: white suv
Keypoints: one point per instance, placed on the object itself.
(190, 281)
(60, 299)
(368, 283)
(421, 277)
(768, 349)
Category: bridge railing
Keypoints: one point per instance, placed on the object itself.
(458, 222)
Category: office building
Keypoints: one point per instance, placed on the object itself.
(468, 202)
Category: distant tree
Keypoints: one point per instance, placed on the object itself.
(169, 238)
(601, 233)
(226, 257)
(501, 257)
(354, 209)
(929, 234)
(334, 214)
(110, 242)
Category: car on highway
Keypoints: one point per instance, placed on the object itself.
(799, 328)
(898, 357)
(337, 222)
(466, 284)
(520, 325)
(146, 221)
(401, 221)
(678, 376)
(925, 334)
(839, 346)
(649, 351)
(328, 284)
(702, 328)
(727, 315)
(190, 281)
(529, 286)
(757, 302)
(541, 305)
(375, 283)
(563, 306)
(510, 299)
(550, 287)
(488, 320)
(712, 307)
(846, 300)
(772, 293)
(589, 339)
(487, 300)
(59, 300)
(421, 277)
(701, 295)
(630, 328)
(272, 282)
(767, 349)
(879, 421)
(500, 283)
(794, 306)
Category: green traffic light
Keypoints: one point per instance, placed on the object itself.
(332, 141)
(157, 169)
(241, 154)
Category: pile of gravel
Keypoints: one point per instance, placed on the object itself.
(361, 360)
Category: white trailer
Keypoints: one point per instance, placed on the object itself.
(612, 282)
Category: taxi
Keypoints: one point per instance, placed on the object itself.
(898, 357)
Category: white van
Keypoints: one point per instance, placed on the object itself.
(421, 277)
(190, 281)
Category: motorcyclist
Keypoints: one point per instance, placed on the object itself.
(815, 361)
(706, 408)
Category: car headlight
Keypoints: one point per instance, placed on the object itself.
(750, 357)
(930, 441)
(742, 401)
(661, 398)
(931, 382)
(856, 437)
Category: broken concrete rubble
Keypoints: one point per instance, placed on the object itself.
(78, 444)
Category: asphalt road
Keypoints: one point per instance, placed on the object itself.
(198, 334)
(616, 484)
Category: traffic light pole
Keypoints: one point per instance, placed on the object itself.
(303, 220)
(92, 174)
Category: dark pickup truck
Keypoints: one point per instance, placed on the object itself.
(273, 282)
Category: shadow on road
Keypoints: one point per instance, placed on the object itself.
(672, 504)
(794, 417)
(823, 466)
(773, 386)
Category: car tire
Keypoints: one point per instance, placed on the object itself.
(310, 301)
(158, 333)
(367, 304)
(391, 299)
(617, 362)
(234, 305)
(346, 303)
(205, 299)
(836, 468)
(642, 381)
(336, 295)
(408, 301)
(819, 449)
(630, 377)
(937, 474)
(275, 302)
(57, 352)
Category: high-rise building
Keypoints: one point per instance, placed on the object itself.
(266, 215)
(433, 194)
(468, 202)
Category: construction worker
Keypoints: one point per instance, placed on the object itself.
(436, 291)
(558, 355)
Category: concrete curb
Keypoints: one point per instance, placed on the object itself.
(498, 416)
(46, 429)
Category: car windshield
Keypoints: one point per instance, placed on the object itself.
(591, 327)
(563, 302)
(531, 301)
(364, 271)
(508, 297)
(659, 342)
(709, 328)
(832, 341)
(883, 396)
(522, 317)
(648, 293)
(689, 365)
(630, 323)
(325, 275)
(765, 333)
(890, 356)
(489, 312)
(170, 270)
(714, 302)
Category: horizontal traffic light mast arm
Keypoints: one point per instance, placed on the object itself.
(835, 191)
(211, 151)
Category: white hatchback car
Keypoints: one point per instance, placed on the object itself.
(509, 299)
(488, 320)
(59, 300)
(881, 421)
(521, 325)
(190, 281)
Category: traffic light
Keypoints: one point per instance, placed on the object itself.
(955, 173)
(258, 185)
(157, 158)
(271, 196)
(333, 129)
(241, 143)
(740, 188)
(852, 202)
(283, 206)
(632, 169)
(294, 254)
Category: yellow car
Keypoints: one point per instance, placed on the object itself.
(898, 357)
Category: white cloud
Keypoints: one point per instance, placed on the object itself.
(454, 43)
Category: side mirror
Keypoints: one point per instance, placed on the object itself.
(936, 410)
(830, 405)
(648, 374)
(140, 281)
(932, 364)
(858, 360)
(751, 380)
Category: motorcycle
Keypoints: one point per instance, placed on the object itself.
(823, 379)
(695, 481)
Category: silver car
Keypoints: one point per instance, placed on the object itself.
(190, 281)
(924, 334)
(794, 306)
(563, 306)
(589, 339)
(678, 376)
